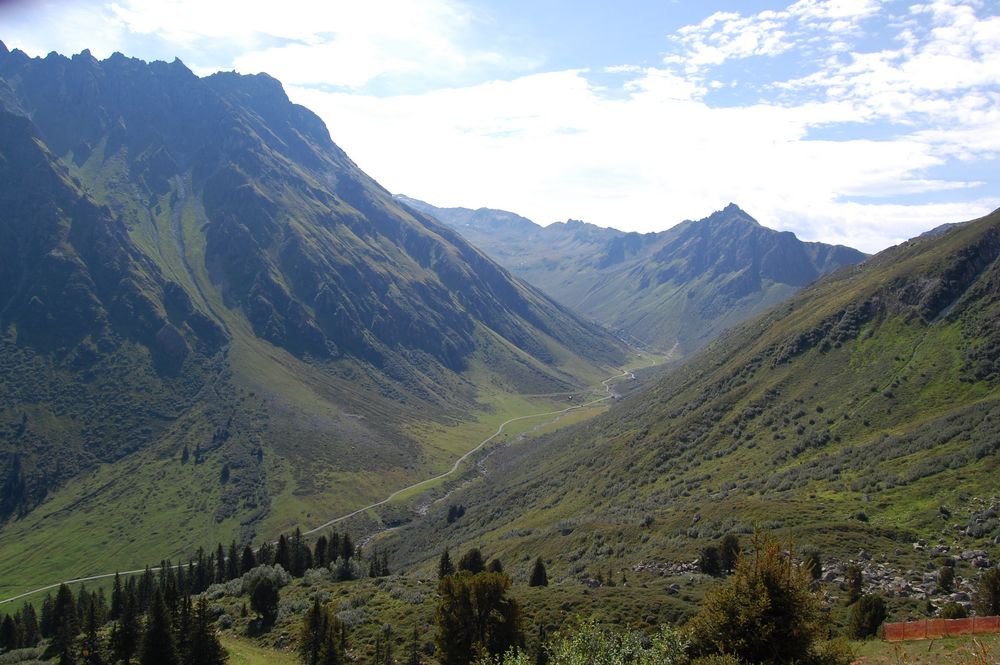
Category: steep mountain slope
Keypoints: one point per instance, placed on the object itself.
(678, 287)
(190, 269)
(862, 414)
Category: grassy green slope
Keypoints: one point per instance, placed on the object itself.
(872, 392)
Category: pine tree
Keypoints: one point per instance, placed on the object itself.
(183, 628)
(346, 546)
(764, 611)
(66, 623)
(205, 647)
(46, 624)
(265, 554)
(8, 633)
(474, 615)
(729, 552)
(333, 547)
(986, 600)
(232, 562)
(29, 626)
(297, 560)
(248, 561)
(495, 566)
(539, 577)
(708, 561)
(127, 631)
(91, 641)
(472, 561)
(320, 552)
(158, 645)
(321, 641)
(314, 630)
(445, 567)
(283, 555)
(854, 582)
(220, 564)
(264, 601)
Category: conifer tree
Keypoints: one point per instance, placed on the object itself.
(127, 631)
(314, 630)
(282, 554)
(8, 634)
(205, 648)
(91, 642)
(320, 552)
(472, 561)
(220, 564)
(297, 561)
(764, 612)
(729, 552)
(265, 554)
(232, 562)
(539, 576)
(321, 640)
(986, 600)
(183, 627)
(346, 546)
(474, 615)
(264, 600)
(495, 566)
(158, 645)
(46, 624)
(66, 623)
(248, 561)
(333, 547)
(854, 582)
(29, 626)
(445, 567)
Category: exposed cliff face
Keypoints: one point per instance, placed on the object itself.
(675, 289)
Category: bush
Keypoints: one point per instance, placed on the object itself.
(594, 645)
(866, 616)
(953, 611)
(987, 599)
(764, 612)
(276, 574)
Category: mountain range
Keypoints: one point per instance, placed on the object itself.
(212, 323)
(861, 418)
(672, 290)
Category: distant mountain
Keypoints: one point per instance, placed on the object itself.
(191, 265)
(861, 416)
(675, 289)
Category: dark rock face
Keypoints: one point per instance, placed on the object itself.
(317, 256)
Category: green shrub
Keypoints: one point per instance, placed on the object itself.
(953, 611)
(866, 616)
(764, 612)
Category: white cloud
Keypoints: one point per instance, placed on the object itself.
(646, 160)
(347, 44)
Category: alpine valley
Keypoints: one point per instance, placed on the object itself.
(215, 328)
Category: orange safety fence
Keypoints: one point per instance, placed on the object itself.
(934, 628)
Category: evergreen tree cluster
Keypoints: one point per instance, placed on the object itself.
(474, 616)
(322, 638)
(153, 619)
(20, 630)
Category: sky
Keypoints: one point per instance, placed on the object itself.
(860, 122)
